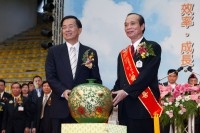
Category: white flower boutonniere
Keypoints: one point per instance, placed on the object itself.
(88, 59)
(11, 101)
(145, 50)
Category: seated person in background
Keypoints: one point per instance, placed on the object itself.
(172, 78)
(192, 80)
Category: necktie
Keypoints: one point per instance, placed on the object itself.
(38, 92)
(73, 60)
(15, 101)
(132, 50)
(43, 105)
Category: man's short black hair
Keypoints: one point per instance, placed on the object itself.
(3, 81)
(172, 71)
(78, 22)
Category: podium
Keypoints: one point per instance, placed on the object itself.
(92, 128)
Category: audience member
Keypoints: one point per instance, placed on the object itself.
(31, 86)
(16, 117)
(42, 122)
(171, 80)
(25, 90)
(193, 80)
(4, 96)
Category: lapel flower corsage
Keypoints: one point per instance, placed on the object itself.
(49, 101)
(11, 101)
(4, 99)
(19, 100)
(145, 50)
(88, 59)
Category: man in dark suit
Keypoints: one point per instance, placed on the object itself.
(16, 117)
(42, 119)
(4, 96)
(137, 79)
(172, 76)
(66, 68)
(34, 95)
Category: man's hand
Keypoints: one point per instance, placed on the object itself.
(33, 130)
(27, 130)
(66, 94)
(120, 95)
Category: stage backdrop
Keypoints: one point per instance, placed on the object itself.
(174, 24)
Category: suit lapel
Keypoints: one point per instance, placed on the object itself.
(79, 63)
(65, 59)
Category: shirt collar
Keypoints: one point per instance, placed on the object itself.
(76, 45)
(48, 94)
(137, 42)
(17, 96)
(1, 94)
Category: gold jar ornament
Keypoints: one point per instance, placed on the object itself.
(90, 103)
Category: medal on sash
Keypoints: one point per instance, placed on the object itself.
(139, 64)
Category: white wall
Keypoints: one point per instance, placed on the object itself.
(16, 16)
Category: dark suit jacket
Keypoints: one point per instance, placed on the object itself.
(3, 100)
(59, 75)
(14, 119)
(131, 105)
(33, 97)
(46, 123)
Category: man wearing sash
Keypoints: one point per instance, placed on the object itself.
(136, 88)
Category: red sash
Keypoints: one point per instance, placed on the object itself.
(146, 97)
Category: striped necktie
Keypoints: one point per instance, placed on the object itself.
(73, 60)
(45, 98)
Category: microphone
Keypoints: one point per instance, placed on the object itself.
(188, 69)
(179, 69)
(191, 70)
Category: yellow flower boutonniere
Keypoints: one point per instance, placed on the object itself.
(145, 50)
(19, 100)
(88, 59)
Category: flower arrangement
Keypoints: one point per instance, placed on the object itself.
(179, 104)
(88, 59)
(145, 50)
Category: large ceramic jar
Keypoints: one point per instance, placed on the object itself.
(90, 103)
